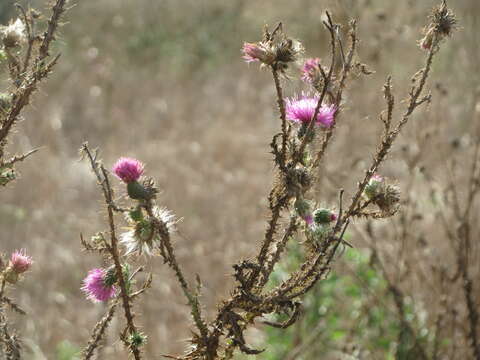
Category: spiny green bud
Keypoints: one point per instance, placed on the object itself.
(374, 186)
(137, 191)
(323, 216)
(137, 339)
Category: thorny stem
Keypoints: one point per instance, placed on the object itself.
(389, 137)
(103, 181)
(283, 116)
(345, 72)
(327, 81)
(280, 248)
(171, 260)
(17, 158)
(99, 332)
(49, 35)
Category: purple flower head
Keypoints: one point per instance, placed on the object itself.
(96, 287)
(302, 109)
(311, 70)
(20, 261)
(128, 170)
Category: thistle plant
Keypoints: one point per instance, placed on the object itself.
(25, 54)
(307, 124)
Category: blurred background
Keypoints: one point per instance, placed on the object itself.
(163, 81)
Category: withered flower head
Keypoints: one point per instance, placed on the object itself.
(443, 23)
(443, 20)
(275, 50)
(14, 34)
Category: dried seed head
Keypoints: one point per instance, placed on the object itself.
(389, 200)
(298, 179)
(443, 20)
(443, 23)
(14, 34)
(286, 52)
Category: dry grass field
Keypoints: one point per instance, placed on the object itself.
(163, 81)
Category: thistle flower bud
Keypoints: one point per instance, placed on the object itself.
(324, 216)
(14, 34)
(19, 263)
(139, 191)
(385, 196)
(298, 179)
(374, 186)
(137, 339)
(303, 209)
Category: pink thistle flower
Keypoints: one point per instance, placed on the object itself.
(310, 70)
(20, 262)
(96, 288)
(128, 170)
(301, 110)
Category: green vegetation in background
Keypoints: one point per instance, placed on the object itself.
(346, 313)
(67, 351)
